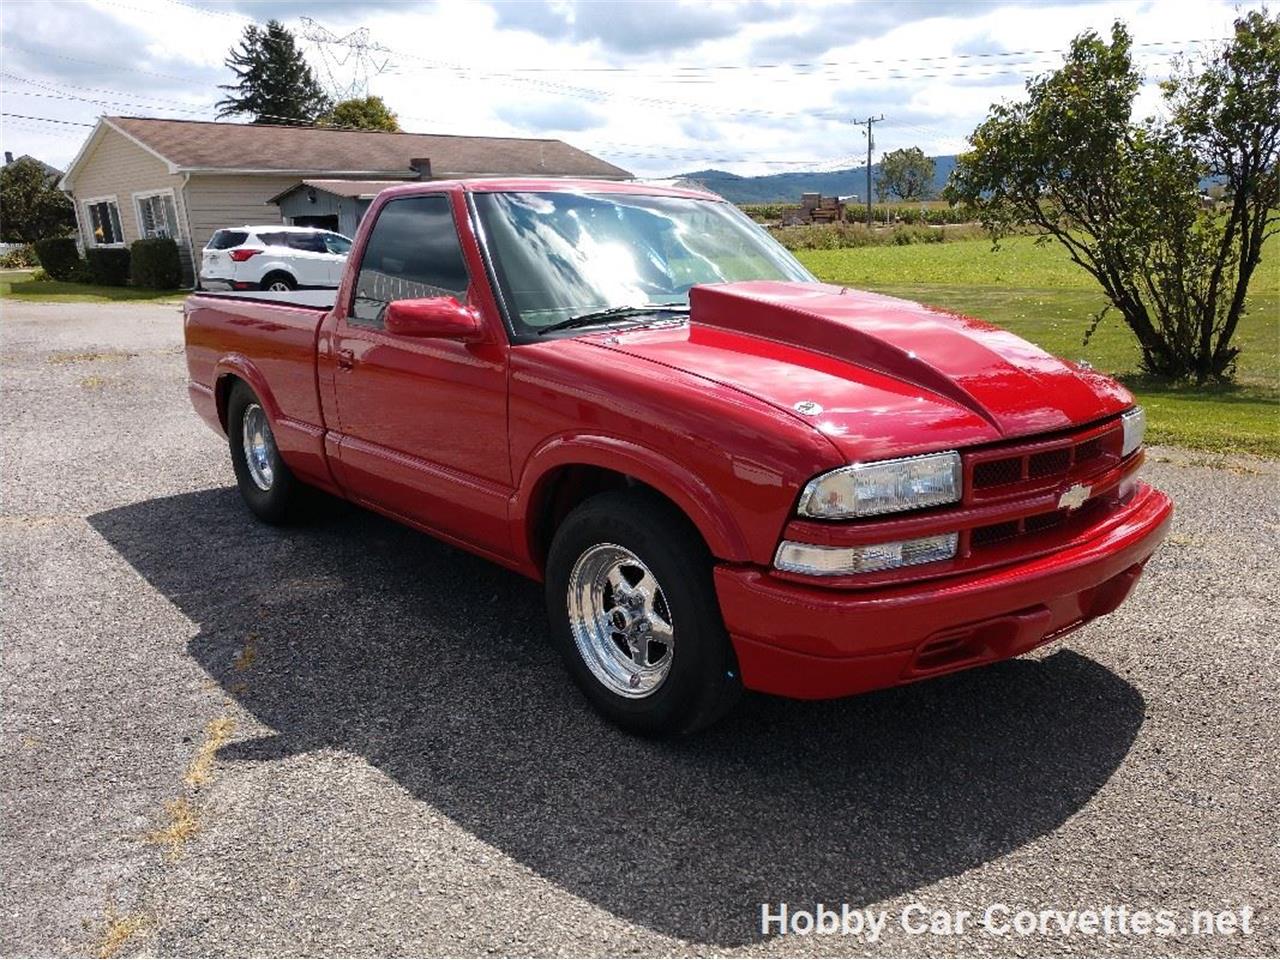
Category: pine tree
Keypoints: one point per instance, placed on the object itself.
(273, 81)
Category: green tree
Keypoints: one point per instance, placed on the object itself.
(362, 113)
(273, 81)
(31, 205)
(906, 174)
(1123, 197)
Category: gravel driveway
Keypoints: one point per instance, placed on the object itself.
(347, 738)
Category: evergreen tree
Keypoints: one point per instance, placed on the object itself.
(273, 81)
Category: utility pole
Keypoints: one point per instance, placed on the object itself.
(870, 143)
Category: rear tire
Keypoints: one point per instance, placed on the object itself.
(278, 282)
(266, 483)
(635, 616)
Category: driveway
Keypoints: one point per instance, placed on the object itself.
(347, 738)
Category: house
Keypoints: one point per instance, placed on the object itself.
(52, 173)
(142, 177)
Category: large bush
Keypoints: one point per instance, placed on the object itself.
(1123, 196)
(155, 264)
(34, 207)
(108, 266)
(58, 256)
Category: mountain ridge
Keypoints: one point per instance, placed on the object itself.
(787, 187)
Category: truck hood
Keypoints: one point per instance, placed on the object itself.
(879, 376)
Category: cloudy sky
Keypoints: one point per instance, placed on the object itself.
(657, 86)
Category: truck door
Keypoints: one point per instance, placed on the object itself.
(423, 422)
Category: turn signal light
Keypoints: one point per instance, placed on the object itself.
(243, 254)
(823, 561)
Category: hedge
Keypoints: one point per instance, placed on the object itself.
(59, 257)
(154, 264)
(108, 266)
(836, 236)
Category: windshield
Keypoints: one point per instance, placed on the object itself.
(562, 255)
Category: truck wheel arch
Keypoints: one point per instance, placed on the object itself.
(237, 368)
(585, 466)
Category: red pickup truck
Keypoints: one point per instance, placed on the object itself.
(727, 474)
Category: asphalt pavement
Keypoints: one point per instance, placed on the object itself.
(345, 738)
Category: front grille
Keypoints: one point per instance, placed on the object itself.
(1051, 463)
(994, 533)
(1044, 521)
(1000, 473)
(996, 473)
(1089, 450)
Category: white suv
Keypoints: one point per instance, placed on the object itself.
(273, 258)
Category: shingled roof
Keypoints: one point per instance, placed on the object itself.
(191, 145)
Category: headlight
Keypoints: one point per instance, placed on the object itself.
(886, 486)
(1135, 428)
(822, 561)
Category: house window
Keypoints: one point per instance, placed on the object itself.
(156, 215)
(104, 222)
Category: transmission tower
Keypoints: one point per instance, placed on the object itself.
(348, 60)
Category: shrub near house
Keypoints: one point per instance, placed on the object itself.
(59, 257)
(155, 264)
(107, 266)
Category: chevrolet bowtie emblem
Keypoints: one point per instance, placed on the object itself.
(1074, 497)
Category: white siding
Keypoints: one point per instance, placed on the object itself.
(215, 201)
(117, 167)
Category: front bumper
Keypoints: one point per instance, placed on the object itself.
(812, 642)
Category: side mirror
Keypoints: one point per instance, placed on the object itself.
(441, 317)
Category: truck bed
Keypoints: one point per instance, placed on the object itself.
(271, 340)
(322, 299)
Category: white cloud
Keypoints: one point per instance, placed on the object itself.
(638, 83)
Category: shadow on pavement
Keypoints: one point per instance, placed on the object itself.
(434, 666)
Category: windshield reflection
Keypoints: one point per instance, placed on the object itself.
(559, 254)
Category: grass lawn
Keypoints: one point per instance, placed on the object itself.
(18, 285)
(1038, 293)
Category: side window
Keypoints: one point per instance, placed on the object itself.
(413, 252)
(226, 239)
(337, 243)
(306, 242)
(274, 239)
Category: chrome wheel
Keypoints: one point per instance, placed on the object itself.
(259, 446)
(279, 285)
(620, 621)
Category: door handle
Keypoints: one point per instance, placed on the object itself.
(346, 359)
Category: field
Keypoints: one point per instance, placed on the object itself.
(1038, 293)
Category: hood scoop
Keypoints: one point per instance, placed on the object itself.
(1013, 385)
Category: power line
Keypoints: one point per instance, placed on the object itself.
(815, 165)
(23, 116)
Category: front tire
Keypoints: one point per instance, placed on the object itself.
(635, 616)
(266, 483)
